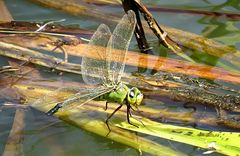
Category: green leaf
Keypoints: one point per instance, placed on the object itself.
(222, 142)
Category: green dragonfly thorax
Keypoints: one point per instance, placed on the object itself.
(122, 94)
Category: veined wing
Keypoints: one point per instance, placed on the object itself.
(118, 46)
(69, 97)
(94, 70)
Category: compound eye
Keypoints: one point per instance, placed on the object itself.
(139, 96)
(131, 94)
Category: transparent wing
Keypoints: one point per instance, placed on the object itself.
(118, 46)
(70, 97)
(94, 70)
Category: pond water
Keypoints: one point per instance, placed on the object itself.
(42, 131)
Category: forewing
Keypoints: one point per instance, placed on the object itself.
(70, 97)
(84, 96)
(54, 97)
(94, 70)
(118, 46)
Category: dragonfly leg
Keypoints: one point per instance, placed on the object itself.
(136, 118)
(136, 110)
(54, 109)
(111, 116)
(129, 114)
(106, 106)
(139, 112)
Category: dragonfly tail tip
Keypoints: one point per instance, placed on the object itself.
(54, 109)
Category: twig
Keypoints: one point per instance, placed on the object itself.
(162, 35)
(14, 144)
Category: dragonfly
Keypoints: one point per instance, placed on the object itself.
(104, 73)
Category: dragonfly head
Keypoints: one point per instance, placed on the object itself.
(134, 96)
